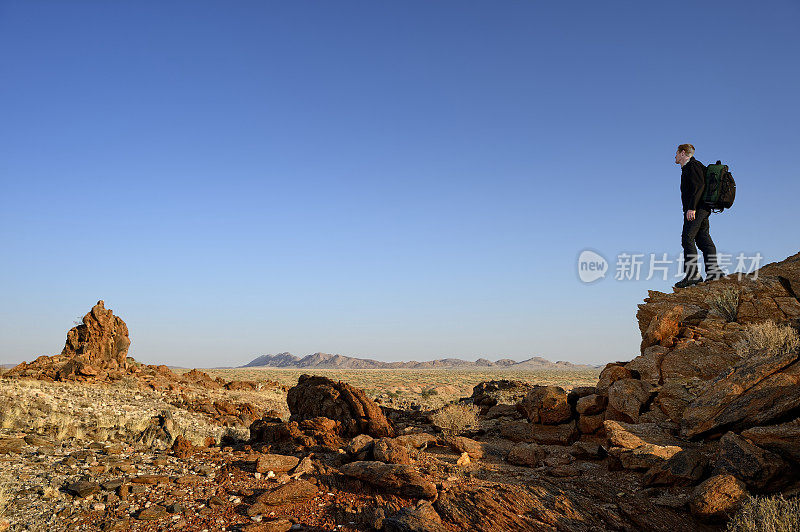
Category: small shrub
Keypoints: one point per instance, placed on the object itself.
(455, 418)
(768, 335)
(726, 303)
(767, 514)
(427, 394)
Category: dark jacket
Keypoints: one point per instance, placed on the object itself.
(693, 184)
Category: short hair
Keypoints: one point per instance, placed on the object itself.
(688, 148)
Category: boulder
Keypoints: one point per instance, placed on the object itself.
(400, 479)
(663, 328)
(703, 359)
(610, 374)
(783, 439)
(760, 388)
(717, 498)
(277, 463)
(349, 406)
(629, 397)
(631, 436)
(587, 450)
(390, 451)
(591, 404)
(360, 445)
(645, 456)
(539, 506)
(419, 518)
(501, 410)
(648, 364)
(82, 488)
(547, 405)
(461, 444)
(684, 468)
(677, 394)
(521, 431)
(526, 454)
(579, 392)
(590, 424)
(417, 440)
(751, 464)
(292, 492)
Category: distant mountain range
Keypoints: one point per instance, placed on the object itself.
(328, 361)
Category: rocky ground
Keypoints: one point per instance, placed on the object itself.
(675, 439)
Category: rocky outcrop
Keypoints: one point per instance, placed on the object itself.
(354, 412)
(503, 392)
(97, 349)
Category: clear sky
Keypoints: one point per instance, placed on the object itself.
(396, 180)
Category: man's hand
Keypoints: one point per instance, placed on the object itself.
(690, 215)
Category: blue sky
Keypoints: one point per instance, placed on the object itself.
(395, 180)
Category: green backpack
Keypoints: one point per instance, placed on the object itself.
(720, 187)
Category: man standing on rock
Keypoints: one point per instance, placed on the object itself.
(695, 220)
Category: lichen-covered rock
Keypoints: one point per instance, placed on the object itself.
(419, 518)
(490, 393)
(526, 454)
(591, 404)
(629, 397)
(648, 364)
(590, 424)
(783, 439)
(684, 468)
(349, 406)
(401, 479)
(717, 498)
(390, 451)
(663, 328)
(466, 445)
(277, 463)
(631, 436)
(751, 464)
(521, 431)
(761, 388)
(610, 374)
(645, 456)
(547, 405)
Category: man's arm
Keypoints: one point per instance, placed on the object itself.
(697, 180)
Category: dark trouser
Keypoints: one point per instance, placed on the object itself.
(698, 231)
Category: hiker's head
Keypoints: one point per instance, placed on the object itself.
(684, 153)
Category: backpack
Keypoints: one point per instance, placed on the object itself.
(720, 187)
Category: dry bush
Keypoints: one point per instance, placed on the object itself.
(726, 303)
(5, 497)
(767, 514)
(768, 335)
(455, 418)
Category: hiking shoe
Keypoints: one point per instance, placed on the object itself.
(686, 281)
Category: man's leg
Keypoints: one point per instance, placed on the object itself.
(706, 245)
(688, 235)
